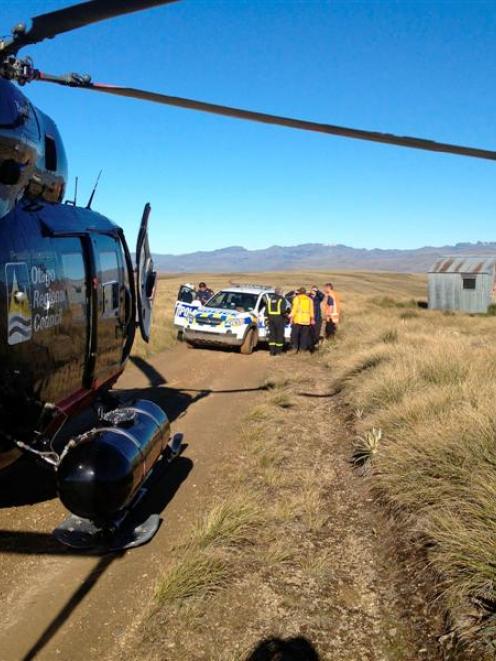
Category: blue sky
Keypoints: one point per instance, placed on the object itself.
(415, 68)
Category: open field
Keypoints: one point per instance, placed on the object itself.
(419, 387)
(350, 283)
(337, 505)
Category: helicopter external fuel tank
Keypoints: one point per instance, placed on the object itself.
(99, 477)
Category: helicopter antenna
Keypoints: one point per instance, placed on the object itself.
(73, 202)
(90, 201)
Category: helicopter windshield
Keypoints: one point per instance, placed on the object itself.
(233, 300)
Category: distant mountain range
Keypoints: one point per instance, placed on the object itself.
(314, 256)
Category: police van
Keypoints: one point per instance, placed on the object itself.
(234, 316)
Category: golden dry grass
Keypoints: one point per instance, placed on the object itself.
(164, 335)
(425, 383)
(228, 523)
(195, 574)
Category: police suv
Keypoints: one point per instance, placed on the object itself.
(234, 316)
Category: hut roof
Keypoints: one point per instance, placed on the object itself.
(466, 264)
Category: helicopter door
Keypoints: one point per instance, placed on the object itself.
(111, 305)
(146, 278)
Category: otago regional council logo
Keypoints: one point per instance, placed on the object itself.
(19, 317)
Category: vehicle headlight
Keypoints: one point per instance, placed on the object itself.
(236, 322)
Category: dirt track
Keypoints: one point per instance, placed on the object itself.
(57, 605)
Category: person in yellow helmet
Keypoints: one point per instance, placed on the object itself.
(302, 319)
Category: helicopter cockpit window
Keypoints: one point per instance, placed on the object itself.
(50, 154)
(75, 282)
(110, 283)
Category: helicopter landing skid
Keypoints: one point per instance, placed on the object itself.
(85, 536)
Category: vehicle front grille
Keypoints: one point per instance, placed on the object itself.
(208, 322)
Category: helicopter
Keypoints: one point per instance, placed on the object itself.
(71, 298)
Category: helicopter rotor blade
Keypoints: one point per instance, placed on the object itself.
(238, 113)
(51, 24)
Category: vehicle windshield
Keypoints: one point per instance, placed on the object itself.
(233, 300)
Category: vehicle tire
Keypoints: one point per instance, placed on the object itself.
(180, 337)
(249, 342)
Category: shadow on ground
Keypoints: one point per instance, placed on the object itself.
(279, 649)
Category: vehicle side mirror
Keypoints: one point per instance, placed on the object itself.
(196, 304)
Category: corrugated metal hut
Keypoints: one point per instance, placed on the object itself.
(462, 283)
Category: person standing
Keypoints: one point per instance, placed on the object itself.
(302, 319)
(276, 321)
(203, 293)
(331, 310)
(317, 297)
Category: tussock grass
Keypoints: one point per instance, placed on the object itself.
(428, 381)
(258, 414)
(390, 336)
(278, 383)
(283, 400)
(229, 523)
(409, 314)
(390, 302)
(277, 554)
(204, 566)
(310, 503)
(196, 574)
(317, 566)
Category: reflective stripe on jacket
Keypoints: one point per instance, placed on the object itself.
(302, 310)
(274, 305)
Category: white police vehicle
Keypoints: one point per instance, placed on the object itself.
(234, 316)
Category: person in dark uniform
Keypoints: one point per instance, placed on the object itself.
(203, 293)
(317, 297)
(276, 312)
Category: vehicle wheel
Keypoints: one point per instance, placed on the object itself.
(180, 337)
(249, 342)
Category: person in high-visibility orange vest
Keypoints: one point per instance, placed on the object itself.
(276, 311)
(302, 319)
(331, 310)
